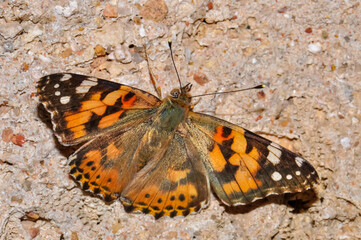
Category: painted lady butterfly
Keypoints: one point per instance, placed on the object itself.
(158, 156)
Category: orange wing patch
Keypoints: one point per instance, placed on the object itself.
(94, 176)
(217, 159)
(109, 120)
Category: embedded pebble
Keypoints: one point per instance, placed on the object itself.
(345, 142)
(314, 47)
(155, 10)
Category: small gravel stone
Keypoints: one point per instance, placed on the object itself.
(314, 47)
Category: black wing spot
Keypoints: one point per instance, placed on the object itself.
(169, 207)
(129, 209)
(185, 212)
(94, 183)
(173, 214)
(181, 197)
(249, 147)
(128, 96)
(85, 186)
(90, 163)
(146, 210)
(108, 198)
(226, 132)
(159, 215)
(155, 208)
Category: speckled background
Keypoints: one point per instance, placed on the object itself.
(309, 53)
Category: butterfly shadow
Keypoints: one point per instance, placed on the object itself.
(300, 202)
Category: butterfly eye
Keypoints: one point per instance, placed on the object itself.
(175, 93)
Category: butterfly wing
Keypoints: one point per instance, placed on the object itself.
(176, 185)
(242, 166)
(82, 107)
(106, 164)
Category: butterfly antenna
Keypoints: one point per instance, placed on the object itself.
(151, 75)
(239, 90)
(171, 54)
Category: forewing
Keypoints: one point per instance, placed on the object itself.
(175, 186)
(243, 166)
(82, 107)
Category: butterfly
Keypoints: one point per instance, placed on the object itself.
(158, 156)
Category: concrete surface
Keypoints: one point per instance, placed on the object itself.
(309, 53)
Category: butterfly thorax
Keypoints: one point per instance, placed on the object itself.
(165, 123)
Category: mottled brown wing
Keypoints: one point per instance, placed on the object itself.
(174, 186)
(242, 166)
(106, 164)
(83, 107)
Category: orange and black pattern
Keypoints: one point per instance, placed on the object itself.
(176, 186)
(158, 156)
(243, 166)
(81, 107)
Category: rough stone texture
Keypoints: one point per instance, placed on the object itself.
(307, 51)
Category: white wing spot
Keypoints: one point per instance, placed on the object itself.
(82, 89)
(289, 177)
(85, 86)
(274, 154)
(57, 93)
(298, 173)
(299, 161)
(56, 85)
(65, 100)
(66, 77)
(89, 83)
(276, 176)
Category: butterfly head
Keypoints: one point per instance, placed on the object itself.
(182, 95)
